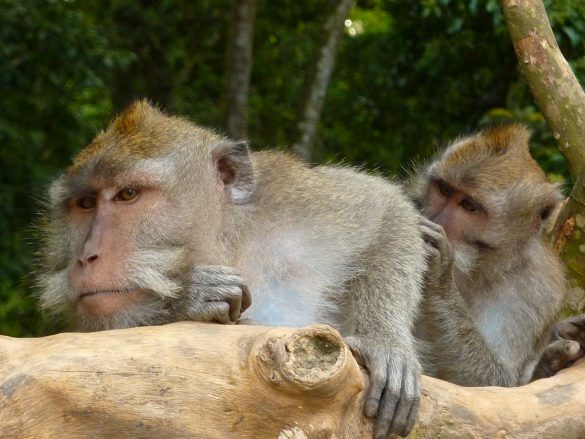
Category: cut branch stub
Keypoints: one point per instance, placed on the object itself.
(312, 359)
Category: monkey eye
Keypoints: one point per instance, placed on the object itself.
(469, 205)
(444, 189)
(128, 194)
(87, 202)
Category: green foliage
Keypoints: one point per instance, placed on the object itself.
(410, 76)
(54, 73)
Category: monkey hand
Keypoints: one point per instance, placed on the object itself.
(394, 393)
(439, 276)
(558, 355)
(214, 293)
(572, 328)
(568, 346)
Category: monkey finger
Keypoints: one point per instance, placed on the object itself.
(412, 415)
(431, 251)
(233, 297)
(239, 301)
(230, 299)
(425, 222)
(404, 405)
(214, 311)
(390, 401)
(434, 237)
(246, 298)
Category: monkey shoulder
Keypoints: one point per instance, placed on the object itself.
(337, 187)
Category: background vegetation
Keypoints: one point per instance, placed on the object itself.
(409, 76)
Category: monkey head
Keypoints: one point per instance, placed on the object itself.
(488, 194)
(140, 204)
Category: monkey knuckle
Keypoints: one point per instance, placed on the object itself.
(394, 393)
(378, 384)
(409, 399)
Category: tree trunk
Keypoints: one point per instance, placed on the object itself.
(239, 68)
(562, 101)
(313, 105)
(199, 380)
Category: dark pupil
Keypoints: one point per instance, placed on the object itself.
(87, 202)
(468, 205)
(444, 189)
(128, 193)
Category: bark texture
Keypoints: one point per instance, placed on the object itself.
(561, 99)
(313, 104)
(190, 380)
(239, 68)
(556, 89)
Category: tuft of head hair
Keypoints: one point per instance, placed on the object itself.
(495, 158)
(140, 131)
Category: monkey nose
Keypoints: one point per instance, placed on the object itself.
(86, 260)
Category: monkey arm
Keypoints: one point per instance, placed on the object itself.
(460, 352)
(385, 301)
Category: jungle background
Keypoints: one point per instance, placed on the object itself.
(409, 76)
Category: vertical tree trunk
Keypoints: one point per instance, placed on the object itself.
(558, 93)
(239, 68)
(313, 104)
(562, 101)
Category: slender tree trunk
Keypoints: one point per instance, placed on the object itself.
(561, 99)
(239, 68)
(558, 93)
(313, 104)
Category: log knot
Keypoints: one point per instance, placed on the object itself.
(308, 359)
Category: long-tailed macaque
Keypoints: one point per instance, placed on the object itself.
(494, 288)
(158, 220)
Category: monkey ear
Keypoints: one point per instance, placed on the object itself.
(550, 198)
(235, 170)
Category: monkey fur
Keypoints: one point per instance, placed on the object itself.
(159, 220)
(494, 288)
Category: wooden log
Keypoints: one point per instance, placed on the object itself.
(193, 380)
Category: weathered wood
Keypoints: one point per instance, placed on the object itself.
(212, 381)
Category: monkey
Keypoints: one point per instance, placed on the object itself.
(494, 288)
(566, 345)
(159, 220)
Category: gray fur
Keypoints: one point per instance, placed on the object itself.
(486, 313)
(325, 244)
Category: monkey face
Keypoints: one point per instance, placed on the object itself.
(138, 208)
(455, 210)
(120, 265)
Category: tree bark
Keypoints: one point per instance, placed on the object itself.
(214, 381)
(554, 86)
(562, 101)
(313, 105)
(239, 68)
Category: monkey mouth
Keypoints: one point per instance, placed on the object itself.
(109, 302)
(99, 292)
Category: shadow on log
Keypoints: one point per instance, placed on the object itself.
(192, 380)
